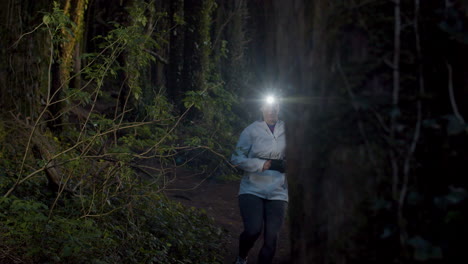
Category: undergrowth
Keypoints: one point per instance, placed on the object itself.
(74, 193)
(147, 229)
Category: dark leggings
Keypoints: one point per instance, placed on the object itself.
(256, 214)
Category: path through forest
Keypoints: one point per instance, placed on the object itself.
(219, 199)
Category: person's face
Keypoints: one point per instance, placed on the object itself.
(270, 113)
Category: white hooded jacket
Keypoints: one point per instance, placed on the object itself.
(256, 145)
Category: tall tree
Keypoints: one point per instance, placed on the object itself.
(68, 60)
(362, 118)
(176, 51)
(197, 44)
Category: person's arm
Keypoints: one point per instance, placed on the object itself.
(241, 159)
(278, 165)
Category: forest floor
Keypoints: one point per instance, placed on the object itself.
(219, 199)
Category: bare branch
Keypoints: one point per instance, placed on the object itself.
(453, 103)
(159, 57)
(395, 95)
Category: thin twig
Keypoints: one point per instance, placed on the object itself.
(356, 109)
(25, 34)
(159, 57)
(453, 103)
(28, 145)
(395, 96)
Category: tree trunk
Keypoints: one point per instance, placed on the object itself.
(197, 44)
(69, 61)
(176, 52)
(328, 180)
(235, 33)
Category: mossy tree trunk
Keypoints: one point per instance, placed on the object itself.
(197, 45)
(68, 61)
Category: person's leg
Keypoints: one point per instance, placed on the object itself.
(274, 213)
(251, 208)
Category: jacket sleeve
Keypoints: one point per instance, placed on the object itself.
(241, 159)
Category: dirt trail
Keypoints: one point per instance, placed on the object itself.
(219, 199)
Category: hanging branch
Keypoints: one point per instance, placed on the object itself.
(355, 106)
(159, 57)
(417, 129)
(232, 14)
(453, 103)
(395, 95)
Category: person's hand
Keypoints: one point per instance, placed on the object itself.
(278, 165)
(266, 165)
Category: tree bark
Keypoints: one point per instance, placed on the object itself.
(197, 43)
(69, 60)
(176, 52)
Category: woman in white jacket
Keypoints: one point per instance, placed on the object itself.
(263, 193)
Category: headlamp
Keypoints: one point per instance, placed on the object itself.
(270, 99)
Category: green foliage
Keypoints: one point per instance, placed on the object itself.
(195, 99)
(171, 233)
(57, 22)
(138, 42)
(104, 212)
(211, 134)
(224, 49)
(34, 237)
(161, 232)
(160, 109)
(179, 20)
(3, 134)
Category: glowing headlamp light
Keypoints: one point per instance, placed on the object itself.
(270, 99)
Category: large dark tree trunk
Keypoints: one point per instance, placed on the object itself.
(176, 52)
(20, 87)
(303, 63)
(339, 154)
(233, 71)
(196, 44)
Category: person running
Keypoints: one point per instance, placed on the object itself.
(263, 192)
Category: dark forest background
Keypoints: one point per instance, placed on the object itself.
(103, 101)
